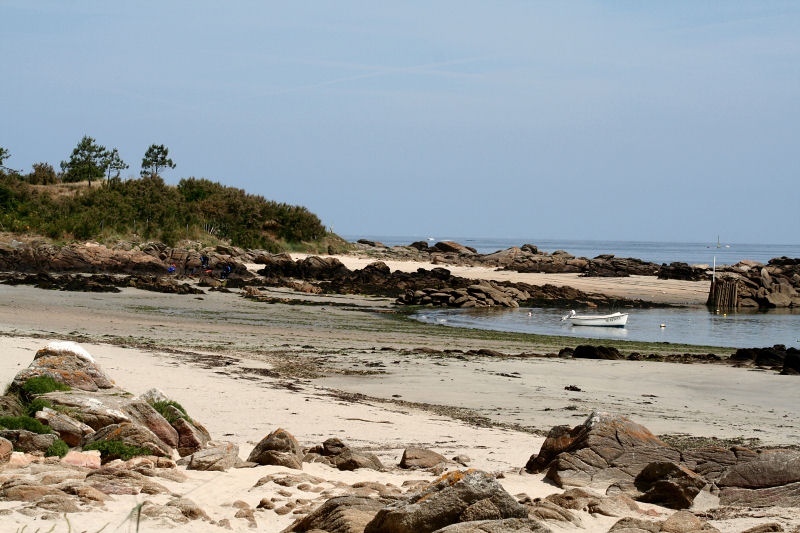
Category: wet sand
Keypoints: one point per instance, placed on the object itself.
(244, 368)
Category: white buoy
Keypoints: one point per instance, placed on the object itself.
(663, 325)
(530, 314)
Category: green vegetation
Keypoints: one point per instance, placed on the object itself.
(37, 405)
(155, 158)
(148, 209)
(58, 449)
(114, 449)
(40, 385)
(24, 422)
(169, 414)
(86, 162)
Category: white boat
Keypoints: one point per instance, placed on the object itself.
(614, 320)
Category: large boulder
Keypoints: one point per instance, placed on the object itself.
(711, 462)
(28, 441)
(142, 413)
(588, 351)
(791, 364)
(604, 449)
(343, 514)
(70, 430)
(668, 484)
(279, 448)
(67, 363)
(459, 496)
(781, 496)
(218, 456)
(450, 247)
(191, 436)
(414, 457)
(97, 409)
(771, 468)
(336, 453)
(131, 435)
(10, 406)
(6, 447)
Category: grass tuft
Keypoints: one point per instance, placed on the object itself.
(24, 422)
(169, 414)
(58, 449)
(114, 449)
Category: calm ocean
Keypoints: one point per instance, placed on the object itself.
(657, 252)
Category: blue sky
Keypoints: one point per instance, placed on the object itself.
(671, 121)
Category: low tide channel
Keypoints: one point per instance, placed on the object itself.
(686, 325)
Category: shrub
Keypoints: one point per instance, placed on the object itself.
(58, 449)
(40, 385)
(37, 405)
(24, 422)
(43, 174)
(114, 449)
(169, 414)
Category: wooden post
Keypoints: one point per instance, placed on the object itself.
(723, 294)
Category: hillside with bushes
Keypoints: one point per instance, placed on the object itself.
(148, 209)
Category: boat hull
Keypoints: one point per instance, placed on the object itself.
(616, 320)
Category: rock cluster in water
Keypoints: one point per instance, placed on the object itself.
(774, 285)
(437, 287)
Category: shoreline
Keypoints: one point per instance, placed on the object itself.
(649, 288)
(245, 368)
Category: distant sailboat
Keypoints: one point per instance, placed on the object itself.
(718, 244)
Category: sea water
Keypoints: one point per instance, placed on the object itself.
(656, 252)
(682, 325)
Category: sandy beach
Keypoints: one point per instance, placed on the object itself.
(207, 353)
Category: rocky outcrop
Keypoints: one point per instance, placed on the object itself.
(770, 468)
(279, 448)
(28, 441)
(774, 285)
(338, 455)
(67, 364)
(668, 484)
(459, 496)
(683, 271)
(588, 351)
(680, 522)
(436, 287)
(604, 449)
(343, 514)
(131, 435)
(146, 258)
(6, 447)
(68, 429)
(509, 525)
(216, 456)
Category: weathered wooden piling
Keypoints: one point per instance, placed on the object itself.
(723, 294)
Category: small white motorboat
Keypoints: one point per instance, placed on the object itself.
(614, 320)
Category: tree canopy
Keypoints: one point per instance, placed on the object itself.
(86, 163)
(155, 159)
